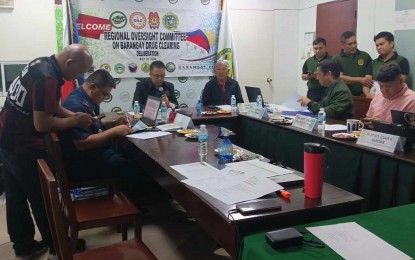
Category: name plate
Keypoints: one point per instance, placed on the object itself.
(257, 112)
(304, 122)
(245, 107)
(377, 140)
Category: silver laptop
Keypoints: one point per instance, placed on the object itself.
(151, 110)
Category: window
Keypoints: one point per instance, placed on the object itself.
(9, 72)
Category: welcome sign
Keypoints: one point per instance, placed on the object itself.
(125, 37)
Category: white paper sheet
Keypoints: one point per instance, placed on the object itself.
(233, 189)
(148, 135)
(196, 170)
(139, 126)
(258, 168)
(336, 127)
(292, 102)
(351, 241)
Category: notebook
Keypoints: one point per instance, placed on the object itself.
(252, 93)
(151, 110)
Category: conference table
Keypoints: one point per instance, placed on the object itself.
(156, 156)
(383, 179)
(394, 225)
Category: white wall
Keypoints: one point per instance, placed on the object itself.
(27, 31)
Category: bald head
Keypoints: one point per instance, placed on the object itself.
(221, 70)
(74, 60)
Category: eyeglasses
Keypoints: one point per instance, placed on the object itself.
(104, 93)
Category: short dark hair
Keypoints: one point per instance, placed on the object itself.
(157, 64)
(388, 72)
(320, 40)
(346, 35)
(330, 65)
(101, 78)
(387, 35)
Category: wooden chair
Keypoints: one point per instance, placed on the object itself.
(113, 209)
(361, 106)
(130, 249)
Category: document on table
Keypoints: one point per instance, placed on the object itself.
(258, 168)
(228, 185)
(148, 135)
(351, 241)
(232, 187)
(196, 170)
(335, 127)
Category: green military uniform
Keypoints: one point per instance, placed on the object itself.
(355, 65)
(315, 90)
(338, 102)
(396, 58)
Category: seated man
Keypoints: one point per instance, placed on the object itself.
(338, 101)
(219, 90)
(87, 153)
(155, 86)
(395, 95)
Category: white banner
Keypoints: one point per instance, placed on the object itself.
(125, 37)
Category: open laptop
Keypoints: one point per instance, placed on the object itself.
(151, 110)
(252, 93)
(407, 119)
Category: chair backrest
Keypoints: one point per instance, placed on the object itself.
(58, 226)
(361, 106)
(60, 173)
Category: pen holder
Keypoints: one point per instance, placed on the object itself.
(313, 169)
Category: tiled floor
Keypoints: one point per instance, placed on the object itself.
(165, 231)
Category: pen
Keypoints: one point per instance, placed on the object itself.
(284, 194)
(128, 120)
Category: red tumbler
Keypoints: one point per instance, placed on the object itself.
(313, 169)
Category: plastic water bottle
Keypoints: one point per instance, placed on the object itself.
(163, 111)
(226, 148)
(172, 114)
(233, 104)
(199, 107)
(259, 101)
(321, 121)
(136, 109)
(203, 138)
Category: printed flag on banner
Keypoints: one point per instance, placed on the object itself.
(226, 48)
(70, 36)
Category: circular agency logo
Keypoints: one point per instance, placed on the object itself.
(118, 19)
(106, 67)
(176, 93)
(170, 66)
(116, 109)
(182, 79)
(132, 67)
(139, 1)
(145, 67)
(190, 93)
(173, 1)
(125, 96)
(117, 80)
(108, 99)
(183, 105)
(154, 20)
(138, 20)
(170, 21)
(205, 2)
(119, 68)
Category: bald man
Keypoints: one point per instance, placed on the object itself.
(30, 111)
(220, 89)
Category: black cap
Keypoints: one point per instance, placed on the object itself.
(314, 148)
